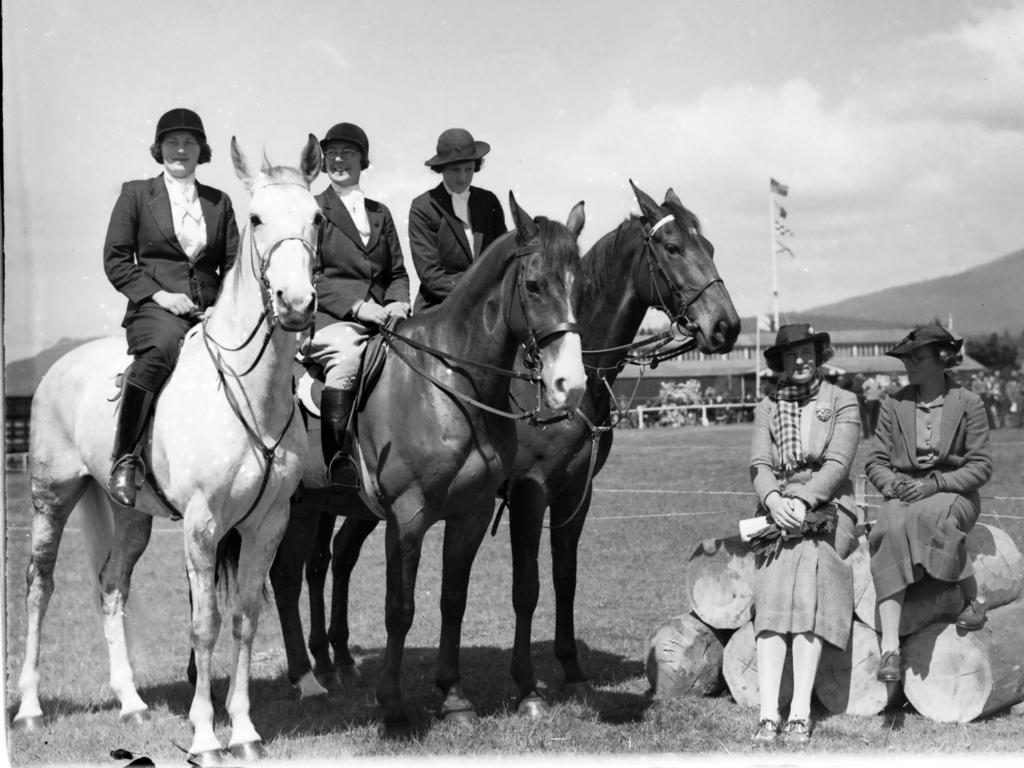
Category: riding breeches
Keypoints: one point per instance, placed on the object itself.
(154, 339)
(338, 349)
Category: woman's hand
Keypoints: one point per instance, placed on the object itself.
(798, 508)
(371, 312)
(397, 309)
(915, 490)
(782, 513)
(175, 303)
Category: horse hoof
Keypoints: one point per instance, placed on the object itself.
(248, 750)
(30, 724)
(534, 706)
(399, 728)
(463, 718)
(136, 718)
(348, 673)
(211, 758)
(581, 691)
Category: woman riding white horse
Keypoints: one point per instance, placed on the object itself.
(225, 451)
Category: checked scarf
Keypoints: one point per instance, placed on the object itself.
(790, 399)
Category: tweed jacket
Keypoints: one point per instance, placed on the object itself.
(349, 271)
(437, 239)
(964, 461)
(142, 255)
(830, 429)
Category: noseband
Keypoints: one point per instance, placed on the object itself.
(654, 265)
(517, 322)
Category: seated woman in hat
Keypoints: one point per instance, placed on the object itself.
(929, 457)
(805, 438)
(452, 224)
(362, 283)
(169, 243)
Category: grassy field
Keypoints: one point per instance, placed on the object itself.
(662, 491)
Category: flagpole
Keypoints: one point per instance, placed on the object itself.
(775, 276)
(757, 357)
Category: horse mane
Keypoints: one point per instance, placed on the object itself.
(603, 259)
(558, 241)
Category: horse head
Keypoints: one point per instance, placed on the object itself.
(684, 281)
(539, 308)
(283, 222)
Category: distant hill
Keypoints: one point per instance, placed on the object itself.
(983, 299)
(22, 376)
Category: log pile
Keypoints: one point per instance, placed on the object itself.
(950, 675)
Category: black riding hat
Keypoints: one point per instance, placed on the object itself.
(349, 132)
(180, 119)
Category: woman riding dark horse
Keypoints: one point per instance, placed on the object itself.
(661, 260)
(445, 458)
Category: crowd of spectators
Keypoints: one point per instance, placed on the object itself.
(1001, 392)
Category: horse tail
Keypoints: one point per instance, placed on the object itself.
(97, 520)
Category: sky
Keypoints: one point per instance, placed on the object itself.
(896, 126)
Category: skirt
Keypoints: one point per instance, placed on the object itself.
(808, 586)
(921, 538)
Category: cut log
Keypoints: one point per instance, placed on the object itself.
(846, 682)
(720, 580)
(739, 668)
(998, 567)
(684, 658)
(957, 676)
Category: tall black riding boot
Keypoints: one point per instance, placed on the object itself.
(131, 424)
(335, 439)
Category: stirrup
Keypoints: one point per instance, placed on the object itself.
(124, 492)
(343, 472)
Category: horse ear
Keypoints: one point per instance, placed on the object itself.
(524, 223)
(241, 164)
(311, 159)
(648, 208)
(672, 197)
(576, 219)
(267, 165)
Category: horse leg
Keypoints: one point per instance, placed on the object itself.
(286, 580)
(347, 544)
(318, 563)
(462, 537)
(131, 536)
(200, 561)
(403, 545)
(565, 539)
(527, 502)
(53, 502)
(259, 546)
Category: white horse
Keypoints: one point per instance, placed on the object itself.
(226, 448)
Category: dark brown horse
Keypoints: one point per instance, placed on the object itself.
(659, 259)
(438, 440)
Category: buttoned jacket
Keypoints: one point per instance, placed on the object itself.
(348, 270)
(830, 429)
(964, 460)
(142, 255)
(440, 250)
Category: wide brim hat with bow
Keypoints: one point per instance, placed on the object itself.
(457, 145)
(789, 336)
(923, 336)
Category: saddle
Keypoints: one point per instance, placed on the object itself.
(309, 377)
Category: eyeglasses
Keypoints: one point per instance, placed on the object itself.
(344, 154)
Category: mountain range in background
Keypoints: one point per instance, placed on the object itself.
(981, 300)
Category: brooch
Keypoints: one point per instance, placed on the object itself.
(823, 412)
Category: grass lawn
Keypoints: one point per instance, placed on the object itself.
(662, 491)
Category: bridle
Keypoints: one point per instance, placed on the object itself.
(517, 324)
(655, 267)
(270, 317)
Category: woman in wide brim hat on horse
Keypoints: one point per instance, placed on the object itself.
(451, 224)
(929, 458)
(169, 243)
(362, 283)
(805, 438)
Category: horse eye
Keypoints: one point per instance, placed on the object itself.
(318, 219)
(672, 248)
(533, 286)
(254, 219)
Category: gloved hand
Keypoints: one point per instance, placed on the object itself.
(397, 309)
(370, 312)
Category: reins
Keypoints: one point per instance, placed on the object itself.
(223, 369)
